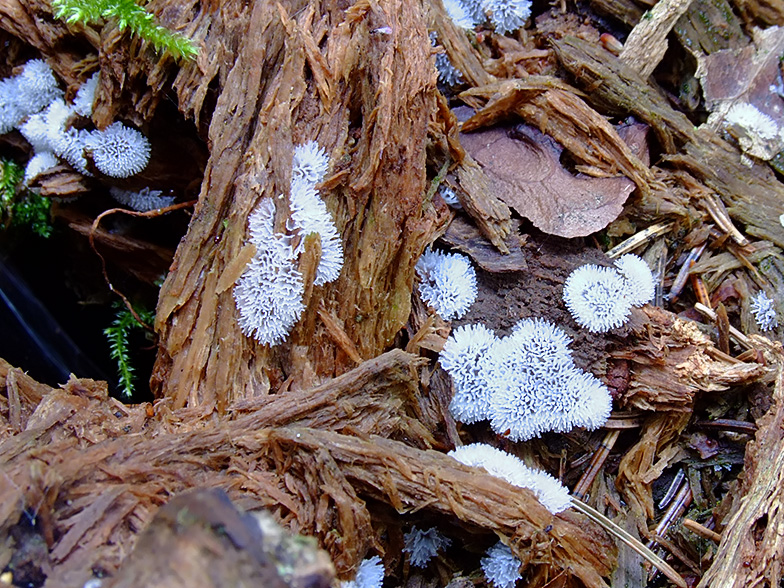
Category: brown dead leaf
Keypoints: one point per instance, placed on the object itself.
(524, 166)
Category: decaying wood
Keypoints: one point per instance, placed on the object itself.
(647, 42)
(710, 25)
(616, 87)
(559, 110)
(200, 539)
(264, 109)
(751, 193)
(258, 57)
(492, 216)
(749, 553)
(767, 12)
(672, 360)
(649, 457)
(325, 451)
(313, 477)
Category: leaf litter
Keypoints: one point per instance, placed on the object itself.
(359, 459)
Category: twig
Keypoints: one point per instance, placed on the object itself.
(147, 214)
(701, 530)
(728, 425)
(581, 489)
(676, 483)
(739, 337)
(633, 242)
(683, 273)
(622, 535)
(677, 508)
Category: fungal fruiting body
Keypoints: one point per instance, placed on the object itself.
(309, 215)
(449, 196)
(594, 297)
(310, 162)
(752, 120)
(27, 93)
(524, 384)
(505, 15)
(600, 298)
(118, 151)
(37, 85)
(33, 103)
(501, 567)
(143, 200)
(38, 164)
(764, 312)
(465, 357)
(370, 574)
(638, 279)
(423, 545)
(85, 96)
(447, 283)
(269, 294)
(447, 73)
(550, 492)
(460, 14)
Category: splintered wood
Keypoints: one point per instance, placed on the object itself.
(338, 437)
(376, 192)
(316, 478)
(749, 553)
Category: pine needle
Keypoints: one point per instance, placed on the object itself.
(619, 533)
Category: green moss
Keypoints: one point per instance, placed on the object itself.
(127, 14)
(117, 335)
(20, 207)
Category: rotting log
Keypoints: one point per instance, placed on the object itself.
(749, 553)
(361, 81)
(751, 193)
(372, 96)
(97, 474)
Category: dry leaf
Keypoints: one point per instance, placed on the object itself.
(525, 168)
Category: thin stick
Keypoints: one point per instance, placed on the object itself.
(638, 239)
(683, 274)
(701, 530)
(622, 535)
(739, 337)
(599, 457)
(677, 508)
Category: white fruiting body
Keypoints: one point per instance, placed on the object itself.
(550, 492)
(370, 574)
(465, 357)
(447, 283)
(423, 545)
(764, 312)
(269, 293)
(600, 298)
(85, 96)
(118, 151)
(501, 567)
(524, 384)
(143, 200)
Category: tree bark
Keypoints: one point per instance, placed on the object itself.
(369, 104)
